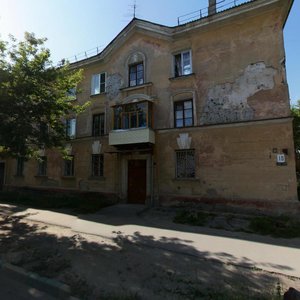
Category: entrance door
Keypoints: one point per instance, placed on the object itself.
(2, 170)
(137, 181)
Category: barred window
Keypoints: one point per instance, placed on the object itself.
(97, 165)
(69, 166)
(42, 166)
(185, 164)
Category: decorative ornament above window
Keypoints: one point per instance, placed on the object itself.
(136, 57)
(68, 149)
(184, 141)
(96, 147)
(41, 151)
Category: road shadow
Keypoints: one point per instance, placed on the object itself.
(137, 266)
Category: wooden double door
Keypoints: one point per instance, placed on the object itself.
(137, 181)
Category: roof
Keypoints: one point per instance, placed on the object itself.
(169, 32)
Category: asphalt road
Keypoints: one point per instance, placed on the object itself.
(12, 289)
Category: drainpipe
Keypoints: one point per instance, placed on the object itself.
(212, 7)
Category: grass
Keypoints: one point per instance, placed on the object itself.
(275, 226)
(195, 218)
(282, 226)
(79, 202)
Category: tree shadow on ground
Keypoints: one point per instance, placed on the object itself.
(130, 267)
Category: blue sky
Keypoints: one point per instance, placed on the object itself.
(74, 26)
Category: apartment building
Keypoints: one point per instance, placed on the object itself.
(196, 112)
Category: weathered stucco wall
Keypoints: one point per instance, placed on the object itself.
(232, 162)
(238, 76)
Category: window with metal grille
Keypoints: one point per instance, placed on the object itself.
(69, 166)
(42, 166)
(136, 74)
(183, 113)
(97, 165)
(98, 125)
(185, 164)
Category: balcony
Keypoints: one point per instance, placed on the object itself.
(132, 124)
(131, 136)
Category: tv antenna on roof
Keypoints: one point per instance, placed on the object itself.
(134, 8)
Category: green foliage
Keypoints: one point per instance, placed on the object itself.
(282, 226)
(33, 97)
(195, 218)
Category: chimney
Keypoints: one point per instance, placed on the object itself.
(212, 7)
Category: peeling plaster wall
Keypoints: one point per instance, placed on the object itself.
(228, 102)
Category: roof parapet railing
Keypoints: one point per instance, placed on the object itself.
(220, 6)
(81, 56)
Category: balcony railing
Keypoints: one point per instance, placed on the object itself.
(220, 6)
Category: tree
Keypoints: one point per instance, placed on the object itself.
(33, 97)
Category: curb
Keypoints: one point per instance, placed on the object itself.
(50, 286)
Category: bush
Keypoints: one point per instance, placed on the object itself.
(282, 226)
(87, 202)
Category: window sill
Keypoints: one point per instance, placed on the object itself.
(19, 176)
(130, 88)
(68, 177)
(182, 77)
(95, 95)
(41, 176)
(98, 178)
(186, 179)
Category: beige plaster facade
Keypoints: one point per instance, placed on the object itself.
(229, 102)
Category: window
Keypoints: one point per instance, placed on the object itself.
(69, 166)
(185, 164)
(98, 83)
(71, 94)
(134, 115)
(71, 128)
(20, 166)
(182, 64)
(98, 125)
(136, 74)
(42, 166)
(97, 165)
(183, 113)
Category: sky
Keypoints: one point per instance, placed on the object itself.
(74, 27)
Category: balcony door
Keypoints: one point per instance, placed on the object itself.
(137, 181)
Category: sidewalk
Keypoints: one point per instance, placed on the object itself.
(124, 222)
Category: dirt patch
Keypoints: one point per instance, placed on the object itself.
(99, 268)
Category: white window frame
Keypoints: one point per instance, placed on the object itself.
(181, 63)
(97, 85)
(71, 128)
